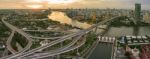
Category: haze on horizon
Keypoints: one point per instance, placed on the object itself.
(119, 4)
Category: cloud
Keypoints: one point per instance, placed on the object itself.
(81, 3)
(3, 1)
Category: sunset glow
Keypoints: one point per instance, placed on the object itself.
(53, 1)
(61, 1)
(40, 3)
(25, 4)
(34, 6)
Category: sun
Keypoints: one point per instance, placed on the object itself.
(39, 3)
(53, 1)
(60, 1)
(34, 6)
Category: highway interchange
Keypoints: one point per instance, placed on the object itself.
(26, 52)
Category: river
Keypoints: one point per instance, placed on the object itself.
(64, 19)
(102, 51)
(122, 31)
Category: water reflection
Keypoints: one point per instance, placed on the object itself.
(122, 31)
(63, 18)
(145, 30)
(102, 51)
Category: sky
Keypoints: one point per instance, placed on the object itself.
(120, 4)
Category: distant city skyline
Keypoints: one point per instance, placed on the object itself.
(119, 4)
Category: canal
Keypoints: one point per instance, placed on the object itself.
(103, 51)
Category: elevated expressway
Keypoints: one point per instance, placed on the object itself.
(30, 52)
(45, 31)
(47, 38)
(8, 43)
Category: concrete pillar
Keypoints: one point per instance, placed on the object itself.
(19, 47)
(61, 44)
(95, 30)
(53, 57)
(5, 52)
(78, 52)
(58, 57)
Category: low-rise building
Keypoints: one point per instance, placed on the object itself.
(146, 18)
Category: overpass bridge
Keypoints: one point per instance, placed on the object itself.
(8, 43)
(14, 29)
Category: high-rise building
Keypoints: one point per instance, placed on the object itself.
(138, 12)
